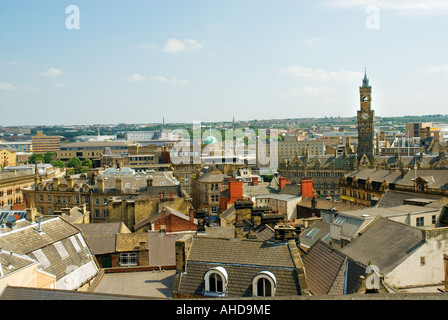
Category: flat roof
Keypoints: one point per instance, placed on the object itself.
(149, 284)
(391, 211)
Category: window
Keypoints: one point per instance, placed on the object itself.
(433, 220)
(422, 261)
(61, 249)
(41, 257)
(420, 221)
(75, 244)
(264, 284)
(128, 259)
(216, 281)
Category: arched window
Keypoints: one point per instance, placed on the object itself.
(216, 280)
(264, 284)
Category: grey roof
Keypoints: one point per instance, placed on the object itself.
(96, 229)
(393, 198)
(323, 204)
(376, 175)
(242, 260)
(24, 293)
(350, 226)
(161, 246)
(11, 262)
(329, 271)
(280, 196)
(212, 177)
(389, 211)
(59, 247)
(263, 188)
(385, 243)
(319, 230)
(292, 189)
(102, 237)
(437, 179)
(131, 183)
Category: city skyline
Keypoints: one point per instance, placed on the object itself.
(212, 61)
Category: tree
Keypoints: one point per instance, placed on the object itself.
(36, 157)
(57, 163)
(87, 163)
(74, 162)
(48, 157)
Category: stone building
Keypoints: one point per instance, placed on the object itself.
(97, 187)
(7, 156)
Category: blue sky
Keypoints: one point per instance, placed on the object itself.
(141, 61)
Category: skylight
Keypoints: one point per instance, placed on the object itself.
(312, 233)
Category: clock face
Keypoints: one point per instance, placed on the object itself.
(364, 116)
(365, 99)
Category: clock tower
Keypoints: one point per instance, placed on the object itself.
(366, 119)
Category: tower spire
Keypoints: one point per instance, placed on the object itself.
(365, 81)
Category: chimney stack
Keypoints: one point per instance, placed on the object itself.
(119, 185)
(282, 181)
(55, 183)
(69, 182)
(285, 232)
(100, 181)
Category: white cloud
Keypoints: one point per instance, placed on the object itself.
(176, 45)
(159, 78)
(60, 85)
(135, 78)
(312, 41)
(52, 72)
(174, 81)
(316, 74)
(310, 92)
(402, 7)
(148, 46)
(4, 86)
(436, 69)
(7, 86)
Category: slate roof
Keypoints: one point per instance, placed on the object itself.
(393, 198)
(59, 247)
(324, 204)
(16, 262)
(242, 259)
(23, 293)
(319, 230)
(437, 179)
(376, 175)
(329, 271)
(213, 177)
(102, 237)
(292, 189)
(131, 183)
(386, 243)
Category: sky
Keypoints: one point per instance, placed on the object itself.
(141, 61)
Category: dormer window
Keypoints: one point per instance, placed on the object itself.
(264, 284)
(216, 280)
